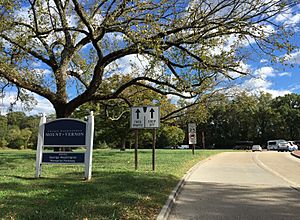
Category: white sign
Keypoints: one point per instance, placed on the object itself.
(145, 117)
(192, 127)
(192, 133)
(53, 134)
(192, 138)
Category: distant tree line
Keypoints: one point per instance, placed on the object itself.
(256, 118)
(224, 121)
(18, 131)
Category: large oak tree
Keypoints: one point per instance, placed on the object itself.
(187, 47)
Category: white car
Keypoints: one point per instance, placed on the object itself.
(256, 147)
(283, 146)
(274, 144)
(183, 147)
(292, 146)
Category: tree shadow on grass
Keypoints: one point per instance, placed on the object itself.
(109, 195)
(9, 160)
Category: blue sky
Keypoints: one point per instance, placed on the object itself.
(267, 76)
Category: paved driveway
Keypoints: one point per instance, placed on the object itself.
(242, 185)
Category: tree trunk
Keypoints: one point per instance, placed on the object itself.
(123, 147)
(62, 112)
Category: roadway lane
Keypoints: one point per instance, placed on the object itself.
(242, 185)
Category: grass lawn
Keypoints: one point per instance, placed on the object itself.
(116, 190)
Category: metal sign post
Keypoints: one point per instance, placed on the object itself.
(145, 117)
(136, 149)
(153, 149)
(203, 140)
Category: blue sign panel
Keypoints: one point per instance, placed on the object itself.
(65, 132)
(63, 158)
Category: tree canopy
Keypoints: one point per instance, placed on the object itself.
(70, 51)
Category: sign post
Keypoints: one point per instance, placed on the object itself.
(39, 150)
(192, 135)
(65, 132)
(89, 145)
(145, 117)
(153, 149)
(136, 144)
(203, 140)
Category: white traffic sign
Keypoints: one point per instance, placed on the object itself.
(192, 138)
(137, 118)
(145, 117)
(192, 127)
(192, 133)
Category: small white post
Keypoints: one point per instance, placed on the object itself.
(39, 148)
(89, 150)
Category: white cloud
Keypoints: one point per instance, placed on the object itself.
(97, 19)
(256, 85)
(263, 61)
(294, 57)
(36, 64)
(42, 106)
(288, 18)
(260, 82)
(284, 16)
(132, 64)
(243, 67)
(285, 74)
(276, 93)
(265, 72)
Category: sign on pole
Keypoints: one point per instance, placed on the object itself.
(65, 132)
(192, 138)
(192, 127)
(145, 117)
(192, 133)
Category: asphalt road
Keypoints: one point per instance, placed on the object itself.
(242, 185)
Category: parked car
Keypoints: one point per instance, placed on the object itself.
(273, 144)
(183, 147)
(292, 146)
(256, 147)
(283, 146)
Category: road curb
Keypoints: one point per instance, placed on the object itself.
(165, 211)
(296, 154)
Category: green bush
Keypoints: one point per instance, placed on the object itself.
(171, 136)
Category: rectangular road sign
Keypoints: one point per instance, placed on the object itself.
(192, 127)
(63, 158)
(137, 119)
(192, 133)
(145, 117)
(192, 138)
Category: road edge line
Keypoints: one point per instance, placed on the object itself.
(260, 163)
